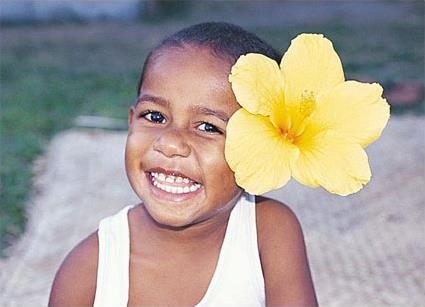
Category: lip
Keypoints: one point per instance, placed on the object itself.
(164, 195)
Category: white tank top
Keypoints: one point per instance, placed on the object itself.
(237, 280)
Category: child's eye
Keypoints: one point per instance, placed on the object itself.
(209, 128)
(153, 116)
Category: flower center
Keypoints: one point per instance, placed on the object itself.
(307, 104)
(288, 135)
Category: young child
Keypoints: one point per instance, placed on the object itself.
(196, 238)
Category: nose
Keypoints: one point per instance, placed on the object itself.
(171, 143)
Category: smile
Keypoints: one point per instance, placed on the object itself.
(173, 184)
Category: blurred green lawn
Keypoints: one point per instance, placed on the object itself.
(52, 73)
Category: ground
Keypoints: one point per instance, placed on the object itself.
(364, 250)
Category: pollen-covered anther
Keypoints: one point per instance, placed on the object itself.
(307, 103)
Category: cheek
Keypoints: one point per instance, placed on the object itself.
(135, 149)
(215, 168)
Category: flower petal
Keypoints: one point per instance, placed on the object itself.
(257, 84)
(333, 162)
(353, 109)
(257, 153)
(310, 64)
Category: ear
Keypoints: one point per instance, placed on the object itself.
(131, 112)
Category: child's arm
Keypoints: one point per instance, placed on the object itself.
(283, 257)
(75, 281)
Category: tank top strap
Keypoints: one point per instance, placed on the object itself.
(113, 262)
(247, 233)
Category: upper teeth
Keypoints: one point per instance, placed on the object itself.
(160, 180)
(170, 178)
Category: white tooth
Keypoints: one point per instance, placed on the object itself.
(169, 179)
(168, 188)
(155, 183)
(173, 189)
(179, 179)
(161, 177)
(185, 180)
(186, 190)
(193, 188)
(179, 189)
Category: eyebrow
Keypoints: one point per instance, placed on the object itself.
(207, 111)
(158, 100)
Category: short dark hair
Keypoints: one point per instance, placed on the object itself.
(225, 40)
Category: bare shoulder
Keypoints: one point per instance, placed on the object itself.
(75, 280)
(283, 255)
(275, 218)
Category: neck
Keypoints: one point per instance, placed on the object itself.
(191, 237)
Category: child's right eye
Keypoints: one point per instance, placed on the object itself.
(153, 116)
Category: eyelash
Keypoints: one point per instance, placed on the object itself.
(150, 112)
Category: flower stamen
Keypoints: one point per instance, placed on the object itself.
(308, 103)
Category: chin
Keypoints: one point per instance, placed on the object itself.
(170, 219)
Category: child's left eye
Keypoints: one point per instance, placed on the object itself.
(209, 128)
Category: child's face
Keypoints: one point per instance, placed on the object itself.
(175, 147)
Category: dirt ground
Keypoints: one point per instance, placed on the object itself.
(365, 250)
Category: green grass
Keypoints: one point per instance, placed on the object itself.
(45, 84)
(52, 73)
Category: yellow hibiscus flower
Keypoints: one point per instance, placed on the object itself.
(302, 120)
